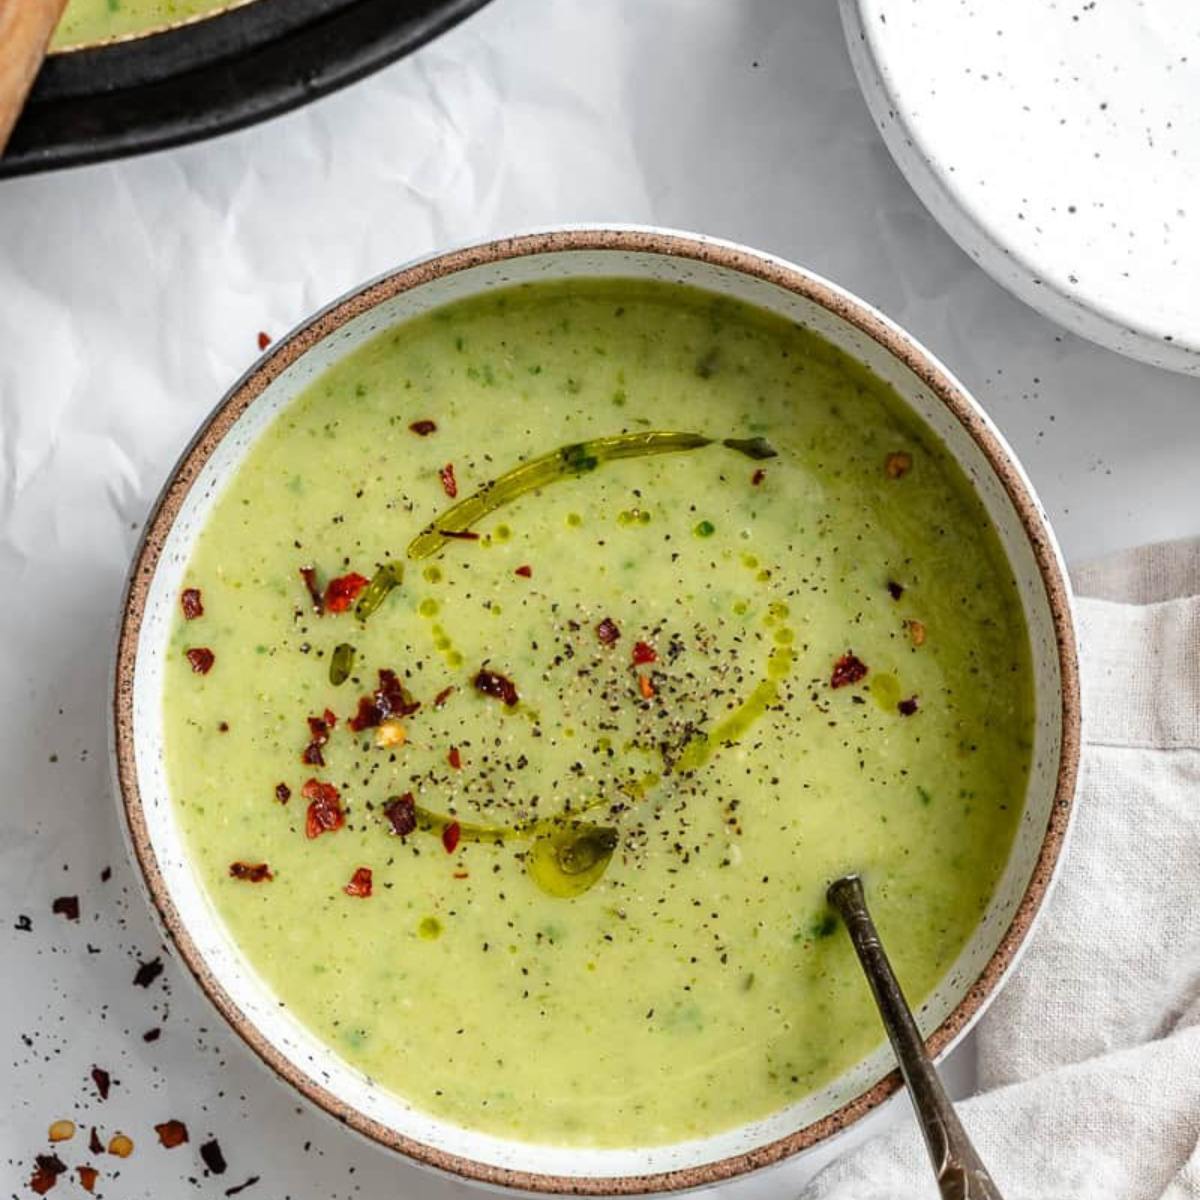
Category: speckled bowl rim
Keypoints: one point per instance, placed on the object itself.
(628, 240)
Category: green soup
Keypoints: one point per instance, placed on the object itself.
(88, 21)
(742, 627)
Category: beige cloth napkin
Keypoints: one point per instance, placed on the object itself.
(1089, 1060)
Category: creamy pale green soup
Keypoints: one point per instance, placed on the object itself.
(88, 21)
(663, 699)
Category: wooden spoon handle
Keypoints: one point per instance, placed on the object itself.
(25, 29)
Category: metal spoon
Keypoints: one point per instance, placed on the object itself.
(960, 1173)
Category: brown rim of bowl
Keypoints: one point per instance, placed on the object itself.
(629, 240)
(136, 35)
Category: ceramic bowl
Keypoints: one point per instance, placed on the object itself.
(175, 890)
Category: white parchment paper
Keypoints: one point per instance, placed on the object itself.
(132, 294)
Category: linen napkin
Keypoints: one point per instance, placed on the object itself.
(1089, 1060)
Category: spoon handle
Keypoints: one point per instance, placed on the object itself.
(961, 1174)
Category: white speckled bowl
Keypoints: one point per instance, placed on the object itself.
(1059, 145)
(202, 941)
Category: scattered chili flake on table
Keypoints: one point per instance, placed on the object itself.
(442, 696)
(449, 483)
(264, 340)
(309, 575)
(318, 730)
(643, 652)
(646, 686)
(897, 464)
(201, 659)
(525, 572)
(450, 836)
(758, 476)
(147, 973)
(325, 813)
(607, 631)
(172, 1133)
(120, 1145)
(907, 707)
(61, 1131)
(895, 590)
(66, 906)
(390, 699)
(151, 1035)
(848, 669)
(87, 1178)
(214, 1160)
(360, 883)
(46, 1170)
(490, 683)
(191, 603)
(424, 427)
(251, 872)
(401, 812)
(283, 793)
(454, 758)
(95, 1145)
(100, 1076)
(341, 593)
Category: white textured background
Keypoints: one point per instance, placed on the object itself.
(131, 296)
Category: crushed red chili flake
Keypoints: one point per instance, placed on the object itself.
(360, 883)
(454, 758)
(443, 696)
(390, 699)
(907, 707)
(283, 793)
(848, 669)
(100, 1076)
(324, 810)
(201, 659)
(264, 340)
(758, 477)
(318, 730)
(214, 1160)
(47, 1168)
(897, 464)
(341, 593)
(147, 973)
(463, 535)
(450, 836)
(462, 874)
(491, 683)
(87, 1178)
(525, 572)
(172, 1133)
(223, 727)
(646, 686)
(449, 483)
(607, 631)
(66, 906)
(95, 1145)
(309, 575)
(643, 652)
(401, 812)
(424, 428)
(191, 603)
(251, 872)
(895, 590)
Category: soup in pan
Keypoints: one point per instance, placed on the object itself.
(86, 22)
(541, 665)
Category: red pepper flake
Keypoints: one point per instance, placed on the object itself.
(324, 810)
(607, 631)
(100, 1077)
(450, 836)
(390, 699)
(151, 1035)
(66, 906)
(490, 683)
(423, 428)
(401, 812)
(172, 1133)
(462, 874)
(463, 535)
(193, 606)
(897, 464)
(264, 340)
(525, 572)
(214, 1160)
(454, 758)
(87, 1178)
(318, 730)
(449, 483)
(442, 696)
(907, 707)
(341, 593)
(201, 659)
(643, 652)
(251, 872)
(895, 590)
(758, 477)
(223, 727)
(848, 669)
(646, 686)
(47, 1168)
(146, 974)
(360, 883)
(283, 793)
(309, 575)
(95, 1145)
